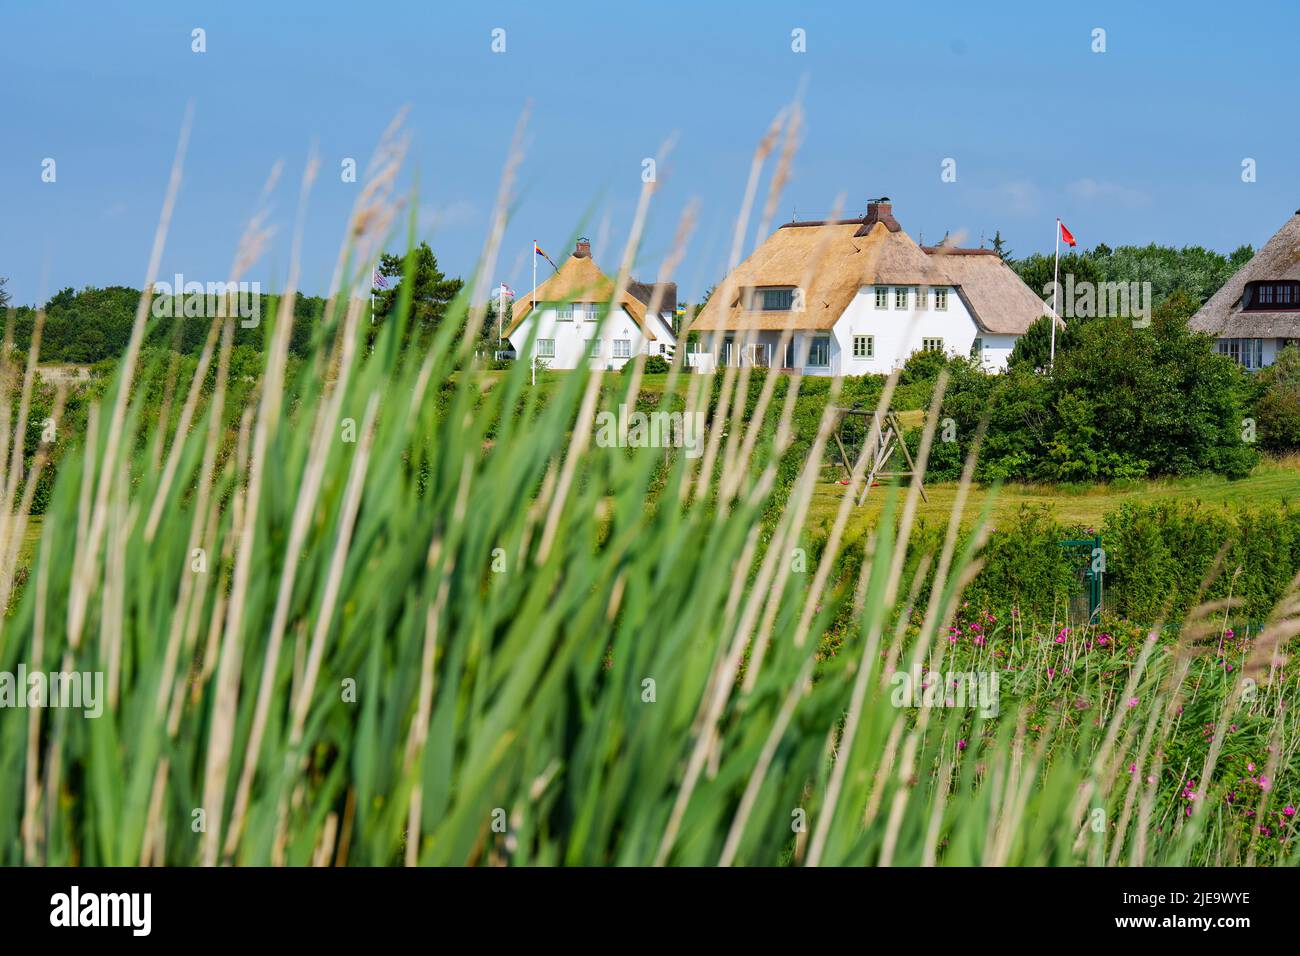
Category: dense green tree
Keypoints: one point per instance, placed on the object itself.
(431, 291)
(1000, 247)
(1277, 411)
(1033, 350)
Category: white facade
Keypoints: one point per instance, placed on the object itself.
(571, 333)
(1251, 354)
(877, 332)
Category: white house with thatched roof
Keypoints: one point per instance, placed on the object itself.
(858, 296)
(1256, 313)
(570, 322)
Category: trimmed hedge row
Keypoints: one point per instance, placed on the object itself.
(1156, 557)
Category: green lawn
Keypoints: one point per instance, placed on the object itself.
(1272, 482)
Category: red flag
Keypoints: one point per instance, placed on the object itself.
(1066, 237)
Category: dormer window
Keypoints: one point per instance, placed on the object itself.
(775, 300)
(1282, 296)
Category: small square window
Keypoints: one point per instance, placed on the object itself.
(882, 297)
(932, 345)
(595, 348)
(622, 348)
(564, 312)
(864, 346)
(593, 311)
(546, 348)
(940, 299)
(900, 297)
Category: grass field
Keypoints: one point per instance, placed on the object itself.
(1272, 482)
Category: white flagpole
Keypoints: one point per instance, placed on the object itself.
(501, 313)
(1056, 286)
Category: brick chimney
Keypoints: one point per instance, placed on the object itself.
(583, 249)
(879, 210)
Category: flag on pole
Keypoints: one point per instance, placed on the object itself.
(506, 290)
(1066, 236)
(377, 280)
(538, 249)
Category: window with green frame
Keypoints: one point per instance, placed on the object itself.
(864, 346)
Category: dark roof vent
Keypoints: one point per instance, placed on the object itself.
(583, 249)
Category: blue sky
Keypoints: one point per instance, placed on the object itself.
(1141, 143)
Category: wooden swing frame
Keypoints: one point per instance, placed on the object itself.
(890, 432)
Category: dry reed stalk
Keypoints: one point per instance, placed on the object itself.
(226, 700)
(87, 557)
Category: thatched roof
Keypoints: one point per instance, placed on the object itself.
(831, 261)
(995, 296)
(579, 279)
(645, 291)
(1279, 260)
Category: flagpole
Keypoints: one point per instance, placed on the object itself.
(1056, 286)
(501, 312)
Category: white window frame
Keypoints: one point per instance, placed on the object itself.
(932, 343)
(595, 349)
(545, 348)
(564, 312)
(813, 343)
(900, 297)
(882, 297)
(941, 299)
(864, 346)
(1248, 353)
(622, 348)
(778, 290)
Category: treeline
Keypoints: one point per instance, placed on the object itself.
(1195, 270)
(93, 325)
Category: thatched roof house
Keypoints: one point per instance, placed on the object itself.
(571, 306)
(1257, 312)
(866, 279)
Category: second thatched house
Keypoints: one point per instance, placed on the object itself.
(572, 321)
(859, 296)
(1256, 313)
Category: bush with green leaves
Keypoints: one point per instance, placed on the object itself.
(654, 365)
(1122, 402)
(1277, 410)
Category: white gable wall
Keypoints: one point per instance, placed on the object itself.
(897, 333)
